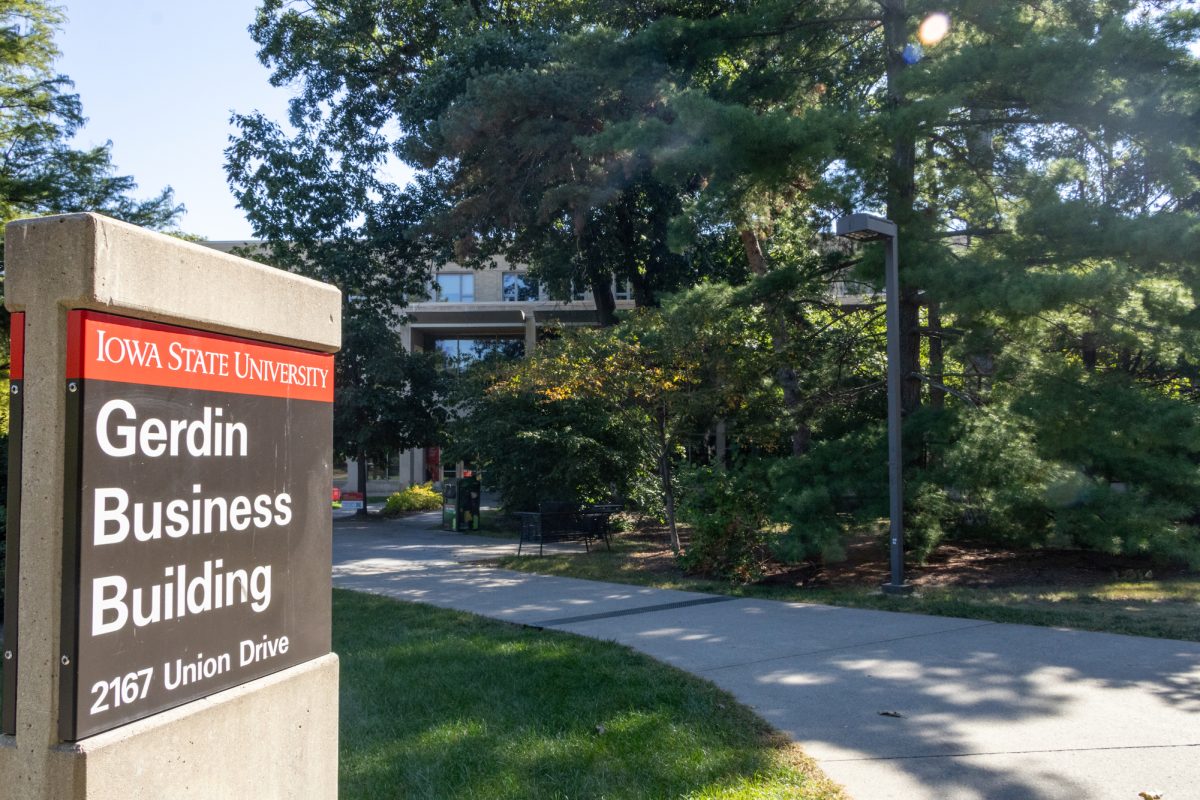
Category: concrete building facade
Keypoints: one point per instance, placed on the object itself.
(467, 314)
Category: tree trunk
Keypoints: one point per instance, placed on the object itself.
(1087, 351)
(639, 280)
(937, 362)
(602, 292)
(664, 472)
(901, 198)
(780, 339)
(754, 252)
(643, 293)
(362, 482)
(599, 277)
(719, 445)
(981, 147)
(1089, 345)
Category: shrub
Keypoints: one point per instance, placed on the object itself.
(583, 450)
(839, 486)
(415, 498)
(727, 513)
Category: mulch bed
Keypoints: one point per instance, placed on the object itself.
(967, 564)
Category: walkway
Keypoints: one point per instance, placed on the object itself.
(986, 710)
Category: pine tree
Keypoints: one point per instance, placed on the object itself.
(1040, 160)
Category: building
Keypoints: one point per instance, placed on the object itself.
(466, 315)
(469, 314)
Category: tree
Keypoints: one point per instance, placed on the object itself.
(310, 214)
(479, 96)
(386, 399)
(40, 173)
(1040, 161)
(535, 446)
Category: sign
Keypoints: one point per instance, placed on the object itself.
(12, 531)
(198, 473)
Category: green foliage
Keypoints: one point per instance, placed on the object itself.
(495, 102)
(441, 704)
(999, 482)
(839, 485)
(1041, 162)
(40, 173)
(419, 497)
(385, 398)
(323, 213)
(535, 448)
(727, 512)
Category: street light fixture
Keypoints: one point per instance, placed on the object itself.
(869, 228)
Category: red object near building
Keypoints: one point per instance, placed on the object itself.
(433, 463)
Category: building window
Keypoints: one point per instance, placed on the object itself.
(519, 288)
(456, 288)
(461, 351)
(621, 289)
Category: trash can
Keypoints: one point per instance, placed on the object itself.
(449, 498)
(467, 504)
(460, 504)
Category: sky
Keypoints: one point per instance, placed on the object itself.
(160, 80)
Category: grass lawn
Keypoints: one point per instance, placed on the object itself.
(440, 704)
(1168, 609)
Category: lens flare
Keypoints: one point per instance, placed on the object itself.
(933, 29)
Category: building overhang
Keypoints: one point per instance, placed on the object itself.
(467, 316)
(472, 318)
(568, 316)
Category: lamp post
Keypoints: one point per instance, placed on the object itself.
(869, 228)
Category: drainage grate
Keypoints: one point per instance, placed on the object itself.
(630, 611)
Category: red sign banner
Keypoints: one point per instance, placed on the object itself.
(16, 346)
(110, 348)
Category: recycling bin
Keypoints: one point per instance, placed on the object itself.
(460, 504)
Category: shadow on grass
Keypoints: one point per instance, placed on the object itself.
(439, 704)
(986, 711)
(1159, 609)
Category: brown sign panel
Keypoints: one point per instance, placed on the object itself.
(202, 552)
(12, 530)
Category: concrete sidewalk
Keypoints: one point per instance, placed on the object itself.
(1002, 712)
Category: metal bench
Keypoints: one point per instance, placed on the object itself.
(555, 523)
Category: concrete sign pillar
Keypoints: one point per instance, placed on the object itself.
(171, 629)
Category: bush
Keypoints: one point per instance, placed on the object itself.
(727, 513)
(839, 486)
(583, 450)
(414, 498)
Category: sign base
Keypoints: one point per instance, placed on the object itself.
(267, 738)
